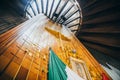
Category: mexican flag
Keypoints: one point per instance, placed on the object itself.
(59, 71)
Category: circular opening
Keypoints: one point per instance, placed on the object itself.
(65, 12)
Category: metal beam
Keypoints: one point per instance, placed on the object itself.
(71, 14)
(66, 12)
(46, 7)
(73, 25)
(42, 6)
(32, 9)
(51, 8)
(25, 9)
(71, 20)
(37, 7)
(28, 3)
(56, 8)
(28, 13)
(62, 9)
(74, 30)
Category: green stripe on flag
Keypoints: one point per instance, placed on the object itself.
(56, 68)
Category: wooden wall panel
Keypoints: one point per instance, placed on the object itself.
(25, 52)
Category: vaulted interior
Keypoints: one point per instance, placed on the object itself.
(96, 23)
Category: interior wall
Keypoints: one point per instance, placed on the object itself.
(100, 29)
(9, 18)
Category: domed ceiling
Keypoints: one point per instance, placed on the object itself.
(96, 24)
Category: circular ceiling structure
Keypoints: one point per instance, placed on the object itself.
(65, 12)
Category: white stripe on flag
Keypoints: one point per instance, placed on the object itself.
(71, 75)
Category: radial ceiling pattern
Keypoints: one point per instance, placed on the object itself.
(100, 28)
(65, 12)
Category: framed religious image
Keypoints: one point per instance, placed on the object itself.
(79, 67)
